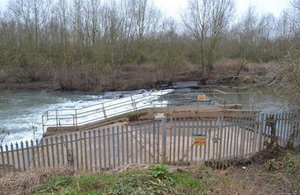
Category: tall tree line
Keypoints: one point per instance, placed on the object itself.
(65, 39)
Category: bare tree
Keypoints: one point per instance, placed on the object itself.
(33, 15)
(206, 20)
(285, 76)
(144, 19)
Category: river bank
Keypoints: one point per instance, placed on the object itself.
(133, 77)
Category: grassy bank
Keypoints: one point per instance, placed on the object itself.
(267, 173)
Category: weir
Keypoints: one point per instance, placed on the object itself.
(136, 108)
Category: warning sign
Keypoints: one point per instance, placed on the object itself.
(199, 139)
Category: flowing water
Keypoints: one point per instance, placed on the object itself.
(21, 111)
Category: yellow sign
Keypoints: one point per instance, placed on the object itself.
(199, 139)
(201, 97)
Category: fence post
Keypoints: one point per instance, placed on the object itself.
(76, 117)
(164, 139)
(43, 125)
(103, 109)
(133, 103)
(260, 129)
(56, 117)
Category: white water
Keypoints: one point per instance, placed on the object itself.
(21, 112)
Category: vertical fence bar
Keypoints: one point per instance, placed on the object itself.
(81, 150)
(43, 153)
(127, 145)
(28, 154)
(252, 131)
(188, 139)
(118, 143)
(2, 157)
(52, 150)
(231, 137)
(255, 122)
(153, 141)
(72, 151)
(100, 157)
(247, 142)
(57, 150)
(90, 151)
(260, 147)
(140, 132)
(280, 125)
(286, 126)
(170, 137)
(183, 139)
(136, 142)
(67, 149)
(209, 137)
(214, 141)
(193, 145)
(200, 129)
(108, 148)
(158, 144)
(62, 149)
(85, 151)
(23, 155)
(164, 140)
(104, 147)
(243, 137)
(131, 133)
(228, 147)
(7, 157)
(48, 155)
(113, 145)
(289, 126)
(235, 138)
(179, 134)
(282, 129)
(224, 131)
(38, 152)
(123, 145)
(145, 143)
(77, 152)
(149, 141)
(205, 129)
(13, 156)
(221, 136)
(18, 156)
(174, 145)
(95, 149)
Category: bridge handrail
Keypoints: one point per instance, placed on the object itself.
(100, 108)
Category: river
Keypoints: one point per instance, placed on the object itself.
(21, 111)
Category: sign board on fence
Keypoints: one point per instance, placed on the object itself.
(199, 139)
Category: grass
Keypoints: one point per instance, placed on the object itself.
(157, 180)
(273, 174)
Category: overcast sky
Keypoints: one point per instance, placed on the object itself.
(175, 7)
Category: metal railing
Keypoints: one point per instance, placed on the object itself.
(112, 108)
(216, 96)
(99, 112)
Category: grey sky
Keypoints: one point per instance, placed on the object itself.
(175, 7)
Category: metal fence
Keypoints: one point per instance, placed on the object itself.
(172, 141)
